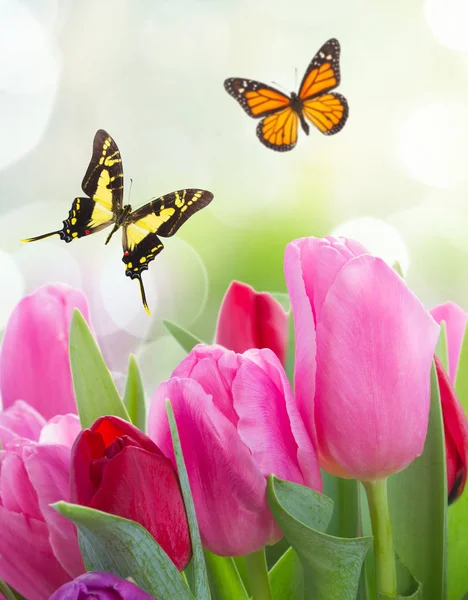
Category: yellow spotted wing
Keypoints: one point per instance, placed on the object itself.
(160, 217)
(281, 114)
(103, 182)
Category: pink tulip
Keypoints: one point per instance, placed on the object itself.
(238, 422)
(364, 347)
(38, 547)
(249, 319)
(455, 421)
(34, 362)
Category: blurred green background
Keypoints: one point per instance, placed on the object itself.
(151, 73)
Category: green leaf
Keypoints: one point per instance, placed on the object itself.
(397, 267)
(283, 299)
(458, 512)
(442, 348)
(186, 339)
(418, 507)
(275, 552)
(125, 548)
(95, 391)
(224, 578)
(9, 594)
(287, 578)
(201, 583)
(332, 565)
(243, 572)
(134, 398)
(344, 493)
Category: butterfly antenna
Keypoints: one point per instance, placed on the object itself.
(295, 78)
(41, 237)
(143, 295)
(280, 86)
(130, 190)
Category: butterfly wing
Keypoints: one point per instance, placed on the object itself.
(160, 217)
(278, 129)
(103, 182)
(257, 99)
(327, 111)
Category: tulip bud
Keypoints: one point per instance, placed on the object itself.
(100, 585)
(455, 420)
(364, 348)
(456, 435)
(249, 319)
(34, 362)
(117, 469)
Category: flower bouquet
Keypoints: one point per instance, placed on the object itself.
(316, 450)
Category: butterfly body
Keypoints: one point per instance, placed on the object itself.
(103, 182)
(281, 114)
(298, 107)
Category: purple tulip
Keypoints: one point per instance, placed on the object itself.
(100, 586)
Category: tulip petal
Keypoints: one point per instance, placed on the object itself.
(16, 491)
(366, 383)
(269, 420)
(321, 261)
(135, 468)
(101, 586)
(229, 492)
(263, 423)
(48, 468)
(455, 320)
(456, 434)
(62, 429)
(34, 362)
(304, 325)
(214, 384)
(20, 420)
(249, 319)
(28, 538)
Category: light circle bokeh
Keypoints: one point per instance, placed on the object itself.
(379, 237)
(12, 286)
(431, 143)
(447, 20)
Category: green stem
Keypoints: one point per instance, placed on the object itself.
(383, 541)
(258, 576)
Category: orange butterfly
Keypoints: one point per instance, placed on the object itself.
(281, 114)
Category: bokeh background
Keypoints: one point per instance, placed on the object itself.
(151, 73)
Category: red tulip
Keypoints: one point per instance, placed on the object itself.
(117, 469)
(455, 421)
(249, 319)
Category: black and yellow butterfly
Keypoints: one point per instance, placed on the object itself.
(281, 114)
(103, 183)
